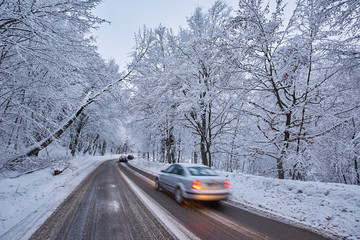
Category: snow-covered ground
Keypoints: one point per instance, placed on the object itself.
(334, 209)
(28, 200)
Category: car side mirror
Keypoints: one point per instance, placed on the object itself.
(162, 170)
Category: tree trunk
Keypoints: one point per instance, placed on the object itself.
(280, 167)
(357, 171)
(75, 139)
(37, 147)
(195, 157)
(233, 147)
(203, 151)
(170, 146)
(356, 166)
(43, 144)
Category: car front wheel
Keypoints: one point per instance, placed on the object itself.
(178, 196)
(157, 184)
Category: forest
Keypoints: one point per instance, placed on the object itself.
(257, 89)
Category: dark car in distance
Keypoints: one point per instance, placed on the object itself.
(123, 158)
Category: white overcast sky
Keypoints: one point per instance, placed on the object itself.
(115, 41)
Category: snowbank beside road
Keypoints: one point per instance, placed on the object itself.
(26, 201)
(329, 208)
(333, 209)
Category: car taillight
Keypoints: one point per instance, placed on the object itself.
(196, 185)
(227, 184)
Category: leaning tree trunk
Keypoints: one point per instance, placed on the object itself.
(37, 147)
(75, 139)
(46, 142)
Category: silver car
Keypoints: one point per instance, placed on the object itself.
(192, 181)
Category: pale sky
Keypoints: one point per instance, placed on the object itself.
(128, 16)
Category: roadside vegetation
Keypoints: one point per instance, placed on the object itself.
(262, 90)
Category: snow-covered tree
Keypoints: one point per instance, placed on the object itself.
(49, 74)
(296, 84)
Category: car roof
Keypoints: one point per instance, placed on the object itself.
(191, 165)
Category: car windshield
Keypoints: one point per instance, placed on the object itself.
(201, 171)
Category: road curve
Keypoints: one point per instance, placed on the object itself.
(106, 205)
(102, 207)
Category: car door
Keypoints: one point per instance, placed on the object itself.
(166, 178)
(176, 177)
